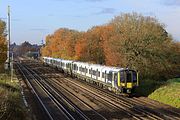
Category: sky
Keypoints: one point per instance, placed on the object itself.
(33, 20)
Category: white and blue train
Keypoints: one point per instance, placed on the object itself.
(116, 79)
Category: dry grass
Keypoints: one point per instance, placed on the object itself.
(11, 105)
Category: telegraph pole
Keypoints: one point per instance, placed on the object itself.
(9, 37)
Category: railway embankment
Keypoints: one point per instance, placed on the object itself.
(168, 93)
(11, 103)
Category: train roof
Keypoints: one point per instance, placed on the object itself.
(96, 66)
(66, 61)
(48, 58)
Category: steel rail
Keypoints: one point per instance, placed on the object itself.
(150, 115)
(31, 87)
(65, 100)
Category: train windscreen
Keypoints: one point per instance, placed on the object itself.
(128, 76)
(134, 76)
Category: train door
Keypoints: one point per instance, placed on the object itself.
(96, 74)
(105, 77)
(121, 79)
(110, 76)
(129, 79)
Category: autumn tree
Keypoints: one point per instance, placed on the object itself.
(3, 46)
(61, 44)
(94, 45)
(45, 50)
(142, 42)
(129, 40)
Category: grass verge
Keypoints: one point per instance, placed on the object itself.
(168, 93)
(11, 105)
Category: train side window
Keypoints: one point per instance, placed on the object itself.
(74, 67)
(94, 72)
(98, 74)
(83, 69)
(106, 76)
(103, 75)
(110, 76)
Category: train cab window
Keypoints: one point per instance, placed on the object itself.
(128, 76)
(134, 76)
(122, 76)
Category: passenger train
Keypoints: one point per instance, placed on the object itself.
(119, 80)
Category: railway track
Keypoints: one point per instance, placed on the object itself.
(57, 92)
(134, 107)
(144, 105)
(55, 107)
(136, 113)
(141, 104)
(111, 106)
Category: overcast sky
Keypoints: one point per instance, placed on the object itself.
(32, 20)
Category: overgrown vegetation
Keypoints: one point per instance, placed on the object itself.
(148, 86)
(11, 105)
(168, 93)
(129, 40)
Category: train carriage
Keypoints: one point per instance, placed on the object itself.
(66, 66)
(114, 78)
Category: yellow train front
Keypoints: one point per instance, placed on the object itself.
(127, 81)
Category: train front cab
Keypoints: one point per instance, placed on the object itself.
(127, 80)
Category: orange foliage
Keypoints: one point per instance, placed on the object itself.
(128, 40)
